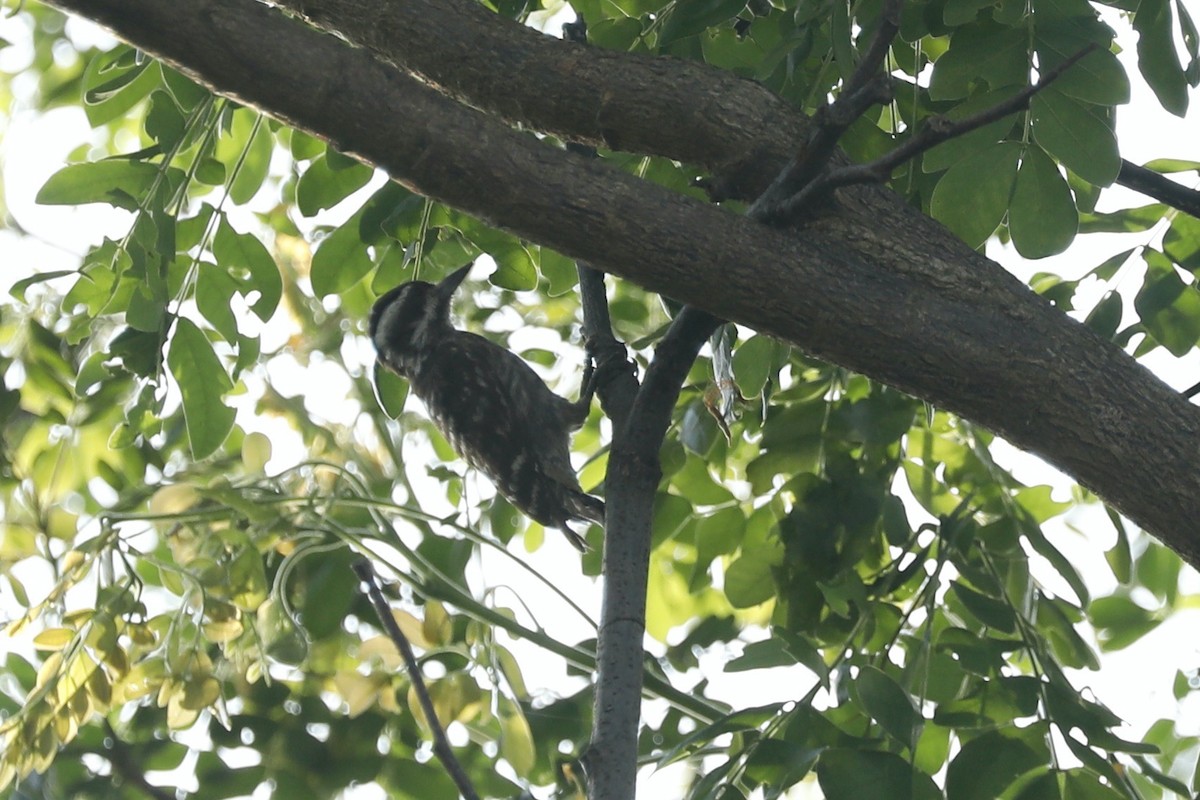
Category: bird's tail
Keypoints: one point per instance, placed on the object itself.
(582, 506)
(585, 506)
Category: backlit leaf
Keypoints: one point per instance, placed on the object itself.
(202, 383)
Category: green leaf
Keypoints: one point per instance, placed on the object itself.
(695, 483)
(1169, 308)
(959, 12)
(515, 269)
(698, 429)
(750, 580)
(1170, 165)
(745, 719)
(988, 610)
(145, 311)
(341, 261)
(516, 739)
(692, 17)
(762, 655)
(559, 271)
(390, 391)
(18, 288)
(1079, 136)
(1182, 242)
(1158, 60)
(116, 81)
(1099, 77)
(1059, 629)
(1128, 220)
(251, 131)
(321, 187)
(1105, 318)
(242, 252)
(119, 182)
(202, 382)
(973, 195)
(988, 765)
(1120, 621)
(1042, 217)
(618, 33)
(719, 533)
(841, 43)
(846, 774)
(138, 350)
(888, 704)
(92, 372)
(214, 291)
(987, 52)
(186, 93)
(164, 124)
(1040, 503)
(949, 153)
(753, 363)
(1119, 557)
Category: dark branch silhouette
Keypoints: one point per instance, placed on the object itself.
(125, 765)
(1160, 187)
(865, 88)
(441, 745)
(935, 131)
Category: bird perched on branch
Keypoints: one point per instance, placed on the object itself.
(492, 407)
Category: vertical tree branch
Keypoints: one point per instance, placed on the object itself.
(616, 383)
(633, 477)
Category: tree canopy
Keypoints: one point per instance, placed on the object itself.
(801, 456)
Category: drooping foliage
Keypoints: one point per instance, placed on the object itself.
(196, 447)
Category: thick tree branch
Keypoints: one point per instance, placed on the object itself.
(877, 288)
(733, 127)
(634, 475)
(640, 424)
(1160, 187)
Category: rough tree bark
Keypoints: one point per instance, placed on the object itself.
(875, 287)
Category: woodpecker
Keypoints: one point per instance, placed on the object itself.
(491, 406)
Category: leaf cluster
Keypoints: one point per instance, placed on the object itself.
(866, 553)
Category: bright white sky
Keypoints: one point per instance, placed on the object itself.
(1136, 683)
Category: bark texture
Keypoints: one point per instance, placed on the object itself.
(875, 286)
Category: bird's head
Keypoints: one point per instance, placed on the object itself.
(408, 320)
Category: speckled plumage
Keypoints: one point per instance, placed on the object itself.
(490, 405)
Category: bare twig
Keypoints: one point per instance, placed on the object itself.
(865, 88)
(441, 745)
(935, 131)
(885, 34)
(1160, 187)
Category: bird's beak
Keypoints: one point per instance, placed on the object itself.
(451, 282)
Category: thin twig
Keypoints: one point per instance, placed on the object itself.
(872, 60)
(935, 131)
(865, 88)
(1160, 187)
(441, 745)
(125, 765)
